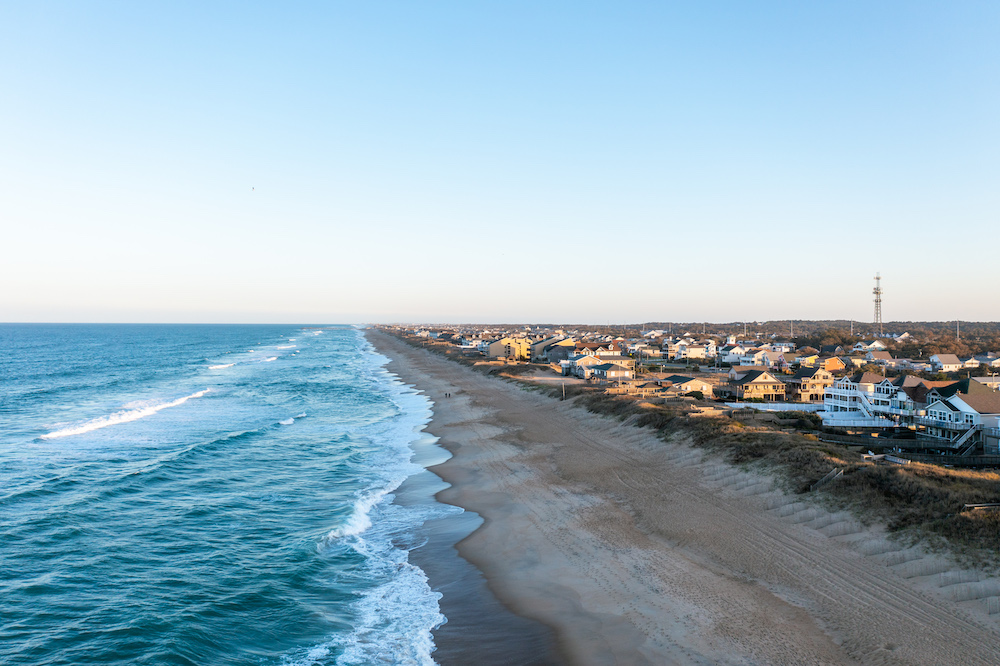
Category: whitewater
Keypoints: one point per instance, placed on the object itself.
(209, 494)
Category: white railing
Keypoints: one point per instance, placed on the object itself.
(853, 422)
(866, 406)
(939, 423)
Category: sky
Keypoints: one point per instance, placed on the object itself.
(352, 162)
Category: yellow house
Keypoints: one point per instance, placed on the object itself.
(516, 349)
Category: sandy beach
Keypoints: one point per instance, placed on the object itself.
(637, 551)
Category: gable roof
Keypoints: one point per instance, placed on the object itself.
(980, 397)
(947, 358)
(608, 366)
(755, 375)
(866, 378)
(679, 379)
(808, 373)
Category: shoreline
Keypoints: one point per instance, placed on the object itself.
(477, 623)
(640, 551)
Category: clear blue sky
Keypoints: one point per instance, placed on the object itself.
(468, 161)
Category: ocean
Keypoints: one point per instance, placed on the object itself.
(210, 495)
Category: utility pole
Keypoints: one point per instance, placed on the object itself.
(958, 333)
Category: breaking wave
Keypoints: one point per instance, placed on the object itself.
(123, 416)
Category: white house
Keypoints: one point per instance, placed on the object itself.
(945, 363)
(869, 345)
(957, 414)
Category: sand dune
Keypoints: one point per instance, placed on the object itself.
(638, 551)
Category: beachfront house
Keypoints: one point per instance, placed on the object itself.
(808, 385)
(685, 385)
(610, 372)
(957, 414)
(755, 385)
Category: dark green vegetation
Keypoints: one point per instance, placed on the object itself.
(916, 501)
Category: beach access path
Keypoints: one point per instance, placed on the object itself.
(640, 551)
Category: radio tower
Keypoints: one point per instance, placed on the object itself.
(878, 304)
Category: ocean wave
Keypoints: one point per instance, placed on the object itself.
(399, 615)
(286, 346)
(359, 521)
(286, 421)
(220, 367)
(133, 412)
(269, 359)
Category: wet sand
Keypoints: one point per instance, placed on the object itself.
(639, 551)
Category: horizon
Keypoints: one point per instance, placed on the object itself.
(541, 323)
(450, 162)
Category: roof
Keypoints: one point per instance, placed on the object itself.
(678, 379)
(866, 378)
(947, 358)
(608, 366)
(980, 397)
(755, 375)
(808, 373)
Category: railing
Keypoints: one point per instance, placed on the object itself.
(866, 406)
(871, 422)
(956, 460)
(969, 434)
(938, 423)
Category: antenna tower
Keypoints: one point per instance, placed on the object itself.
(878, 304)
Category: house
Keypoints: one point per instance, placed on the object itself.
(806, 360)
(559, 353)
(849, 402)
(969, 362)
(831, 364)
(738, 371)
(581, 365)
(832, 350)
(958, 413)
(757, 385)
(869, 345)
(610, 372)
(879, 357)
(685, 351)
(754, 357)
(684, 385)
(945, 363)
(731, 354)
(854, 361)
(808, 385)
(988, 361)
(541, 348)
(871, 400)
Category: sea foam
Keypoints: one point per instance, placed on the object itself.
(136, 412)
(220, 367)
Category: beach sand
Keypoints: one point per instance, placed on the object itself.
(639, 551)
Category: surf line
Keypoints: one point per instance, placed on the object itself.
(124, 416)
